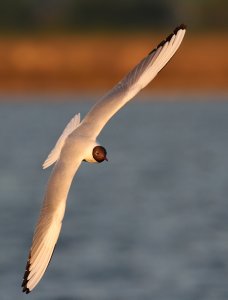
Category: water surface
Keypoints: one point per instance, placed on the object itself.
(152, 223)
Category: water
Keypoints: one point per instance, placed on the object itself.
(152, 223)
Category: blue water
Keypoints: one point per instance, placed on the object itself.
(152, 223)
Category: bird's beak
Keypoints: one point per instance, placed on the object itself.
(106, 158)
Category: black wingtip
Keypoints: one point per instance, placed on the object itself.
(169, 37)
(181, 26)
(26, 290)
(25, 278)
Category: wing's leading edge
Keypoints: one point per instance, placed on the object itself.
(50, 221)
(132, 83)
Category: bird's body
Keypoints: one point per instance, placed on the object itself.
(78, 143)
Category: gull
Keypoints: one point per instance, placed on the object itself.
(78, 143)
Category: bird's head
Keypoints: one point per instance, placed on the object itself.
(99, 154)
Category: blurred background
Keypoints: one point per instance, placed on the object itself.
(152, 223)
(80, 45)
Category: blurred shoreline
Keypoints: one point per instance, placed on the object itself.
(93, 63)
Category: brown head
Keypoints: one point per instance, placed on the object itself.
(99, 154)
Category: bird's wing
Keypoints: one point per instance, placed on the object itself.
(131, 84)
(55, 152)
(50, 221)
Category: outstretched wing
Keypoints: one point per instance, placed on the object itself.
(136, 80)
(55, 152)
(50, 221)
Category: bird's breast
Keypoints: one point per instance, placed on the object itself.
(76, 144)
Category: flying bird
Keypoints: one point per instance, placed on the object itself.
(78, 143)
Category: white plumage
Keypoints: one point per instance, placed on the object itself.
(55, 152)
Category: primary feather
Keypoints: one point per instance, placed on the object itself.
(132, 83)
(50, 221)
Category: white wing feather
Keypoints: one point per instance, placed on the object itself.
(131, 84)
(55, 152)
(50, 221)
